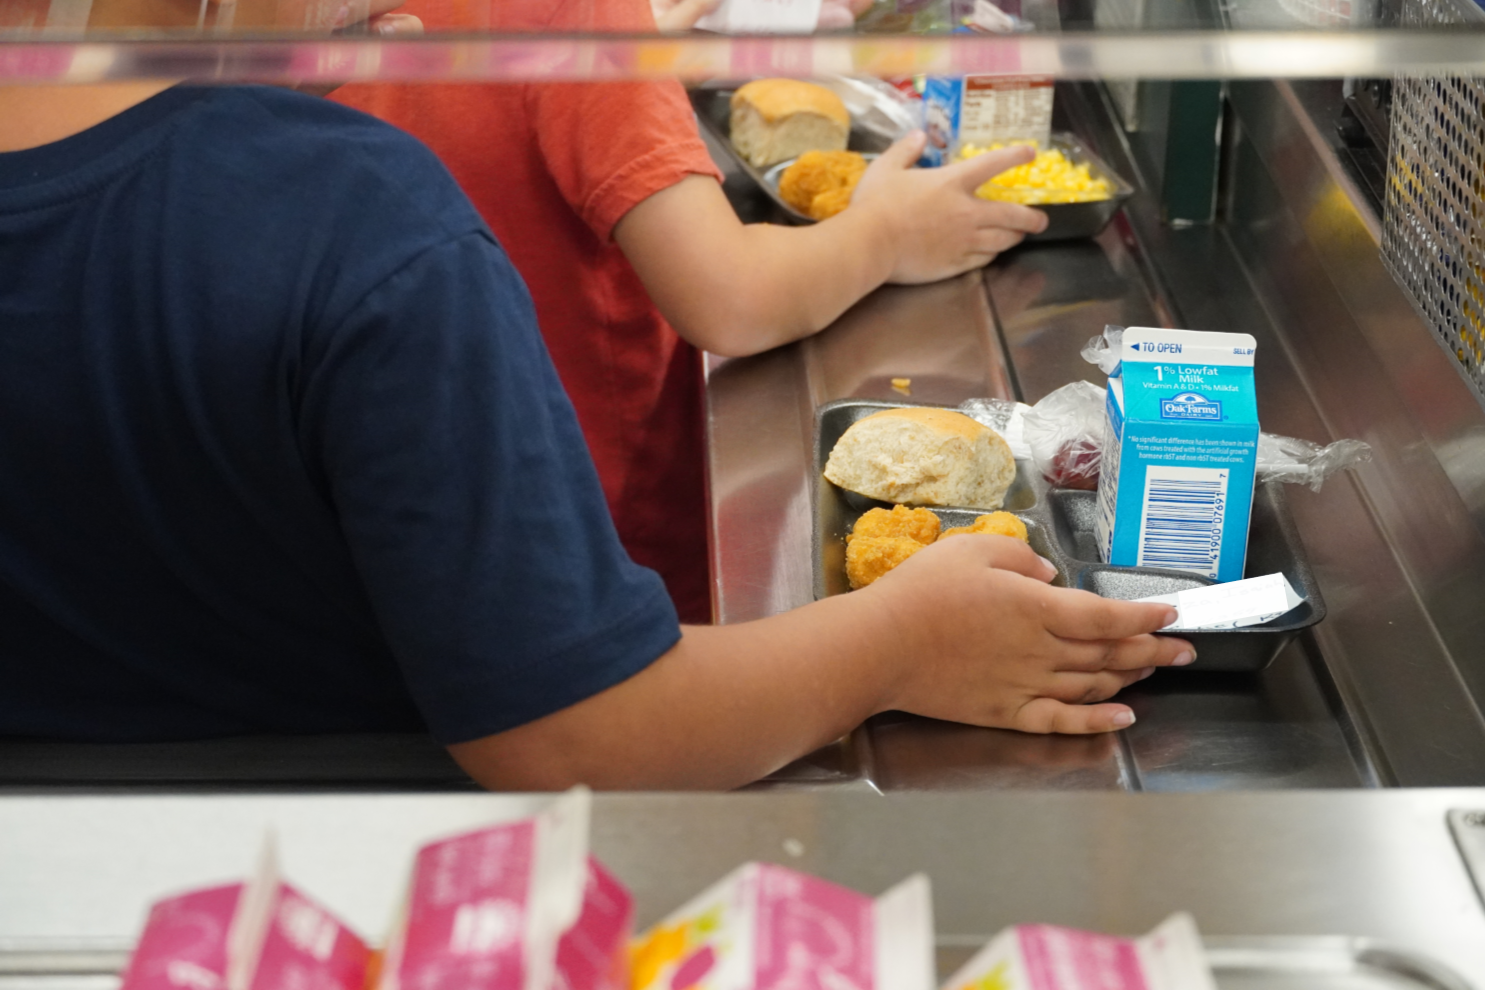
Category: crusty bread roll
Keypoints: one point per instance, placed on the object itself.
(923, 456)
(774, 120)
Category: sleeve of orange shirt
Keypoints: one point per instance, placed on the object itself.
(609, 146)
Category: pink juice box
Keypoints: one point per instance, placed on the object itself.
(764, 927)
(261, 935)
(1046, 957)
(487, 910)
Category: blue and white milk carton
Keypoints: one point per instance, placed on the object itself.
(1180, 453)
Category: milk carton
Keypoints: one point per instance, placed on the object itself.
(764, 927)
(261, 935)
(487, 910)
(984, 110)
(1046, 957)
(1180, 453)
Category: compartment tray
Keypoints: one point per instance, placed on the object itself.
(1059, 523)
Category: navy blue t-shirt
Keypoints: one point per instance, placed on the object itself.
(281, 449)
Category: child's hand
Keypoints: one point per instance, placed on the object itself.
(937, 226)
(680, 15)
(982, 638)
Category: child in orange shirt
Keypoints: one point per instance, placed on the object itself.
(611, 209)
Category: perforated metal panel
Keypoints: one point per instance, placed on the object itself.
(1434, 235)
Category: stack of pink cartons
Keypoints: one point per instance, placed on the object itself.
(519, 906)
(522, 906)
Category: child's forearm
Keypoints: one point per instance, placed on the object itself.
(966, 630)
(734, 289)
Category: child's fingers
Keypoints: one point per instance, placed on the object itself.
(1132, 653)
(1084, 615)
(1006, 553)
(1013, 216)
(397, 26)
(1084, 689)
(1050, 715)
(993, 240)
(684, 14)
(905, 151)
(980, 169)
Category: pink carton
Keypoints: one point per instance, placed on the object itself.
(184, 945)
(486, 910)
(262, 935)
(304, 947)
(1045, 957)
(594, 953)
(764, 927)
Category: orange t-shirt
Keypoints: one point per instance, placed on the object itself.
(553, 167)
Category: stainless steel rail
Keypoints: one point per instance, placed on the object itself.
(1386, 690)
(1331, 875)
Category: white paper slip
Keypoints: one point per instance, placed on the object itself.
(763, 16)
(1232, 605)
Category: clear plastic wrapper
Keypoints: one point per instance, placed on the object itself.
(876, 107)
(1065, 433)
(1301, 462)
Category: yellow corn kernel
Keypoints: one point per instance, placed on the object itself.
(1050, 178)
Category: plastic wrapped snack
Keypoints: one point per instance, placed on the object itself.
(1046, 957)
(764, 927)
(1064, 434)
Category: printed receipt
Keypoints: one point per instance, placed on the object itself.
(1232, 605)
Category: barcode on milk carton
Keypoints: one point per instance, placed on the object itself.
(1183, 513)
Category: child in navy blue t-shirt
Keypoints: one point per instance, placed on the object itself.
(282, 451)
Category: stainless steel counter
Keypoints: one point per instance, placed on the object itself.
(1386, 691)
(76, 873)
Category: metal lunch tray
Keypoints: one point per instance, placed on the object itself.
(1263, 963)
(1059, 524)
(713, 106)
(1066, 221)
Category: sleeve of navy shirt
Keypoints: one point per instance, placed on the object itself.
(469, 502)
(464, 488)
(284, 449)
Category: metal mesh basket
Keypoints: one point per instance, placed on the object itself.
(1434, 228)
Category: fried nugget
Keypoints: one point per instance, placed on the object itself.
(830, 202)
(994, 524)
(869, 557)
(821, 180)
(915, 524)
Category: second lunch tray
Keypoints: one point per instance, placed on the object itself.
(1066, 221)
(1060, 526)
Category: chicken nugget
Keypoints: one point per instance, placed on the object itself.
(830, 202)
(819, 172)
(915, 524)
(994, 524)
(869, 557)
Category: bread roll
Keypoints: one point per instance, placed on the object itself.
(923, 456)
(774, 120)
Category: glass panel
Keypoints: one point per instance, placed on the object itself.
(325, 40)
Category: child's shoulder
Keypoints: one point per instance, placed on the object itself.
(279, 145)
